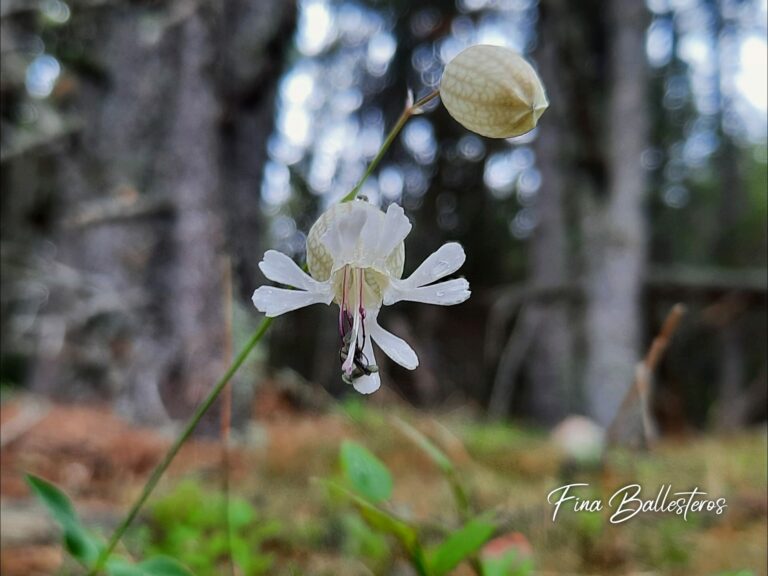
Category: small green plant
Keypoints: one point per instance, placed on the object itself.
(189, 523)
(85, 548)
(367, 484)
(361, 541)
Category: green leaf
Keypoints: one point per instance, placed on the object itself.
(241, 513)
(460, 545)
(155, 566)
(507, 565)
(164, 566)
(362, 540)
(78, 542)
(385, 522)
(365, 473)
(54, 499)
(81, 545)
(380, 519)
(119, 567)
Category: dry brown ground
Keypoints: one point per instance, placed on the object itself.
(101, 461)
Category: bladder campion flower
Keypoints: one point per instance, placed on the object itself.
(355, 255)
(493, 91)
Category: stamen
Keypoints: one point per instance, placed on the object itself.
(361, 304)
(355, 362)
(343, 307)
(353, 344)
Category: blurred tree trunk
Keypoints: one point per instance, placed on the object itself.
(550, 369)
(728, 248)
(191, 177)
(729, 251)
(180, 112)
(591, 151)
(732, 377)
(613, 222)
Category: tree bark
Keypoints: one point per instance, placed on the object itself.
(191, 177)
(612, 222)
(728, 249)
(550, 369)
(180, 109)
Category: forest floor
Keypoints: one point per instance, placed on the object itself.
(101, 461)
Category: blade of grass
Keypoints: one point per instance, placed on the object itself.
(442, 461)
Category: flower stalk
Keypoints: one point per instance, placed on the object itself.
(174, 449)
(410, 110)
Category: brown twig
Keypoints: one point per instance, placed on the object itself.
(642, 390)
(662, 340)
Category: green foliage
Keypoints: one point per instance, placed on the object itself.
(460, 545)
(84, 547)
(589, 525)
(380, 519)
(442, 461)
(189, 523)
(507, 564)
(370, 486)
(669, 542)
(490, 437)
(157, 566)
(365, 473)
(361, 540)
(78, 542)
(355, 408)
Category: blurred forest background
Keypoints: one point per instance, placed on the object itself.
(150, 148)
(152, 151)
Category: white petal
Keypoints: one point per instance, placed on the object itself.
(446, 260)
(393, 346)
(368, 384)
(275, 301)
(341, 237)
(446, 293)
(348, 363)
(371, 233)
(394, 230)
(280, 268)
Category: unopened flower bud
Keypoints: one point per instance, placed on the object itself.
(493, 91)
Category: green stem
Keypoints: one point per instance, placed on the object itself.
(171, 454)
(407, 113)
(158, 472)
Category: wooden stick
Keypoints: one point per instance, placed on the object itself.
(644, 370)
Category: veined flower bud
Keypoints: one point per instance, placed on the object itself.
(493, 91)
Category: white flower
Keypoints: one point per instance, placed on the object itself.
(355, 255)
